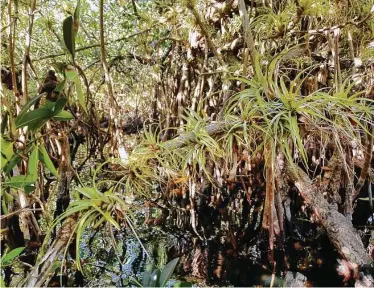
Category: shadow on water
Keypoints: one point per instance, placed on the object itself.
(223, 255)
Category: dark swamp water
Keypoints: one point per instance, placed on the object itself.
(226, 247)
(229, 248)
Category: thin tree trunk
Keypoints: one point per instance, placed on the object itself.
(26, 55)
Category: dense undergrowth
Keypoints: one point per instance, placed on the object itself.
(244, 129)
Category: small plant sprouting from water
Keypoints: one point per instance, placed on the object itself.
(157, 278)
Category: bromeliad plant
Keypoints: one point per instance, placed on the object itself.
(7, 259)
(283, 116)
(156, 278)
(96, 210)
(274, 108)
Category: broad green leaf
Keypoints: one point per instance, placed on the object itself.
(26, 108)
(154, 279)
(35, 118)
(3, 161)
(19, 181)
(168, 271)
(72, 75)
(29, 188)
(37, 125)
(69, 34)
(44, 157)
(7, 258)
(81, 98)
(49, 105)
(32, 164)
(60, 104)
(63, 116)
(6, 149)
(70, 72)
(60, 87)
(12, 162)
(146, 278)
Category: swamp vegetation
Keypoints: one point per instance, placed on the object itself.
(187, 142)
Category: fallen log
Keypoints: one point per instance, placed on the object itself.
(338, 227)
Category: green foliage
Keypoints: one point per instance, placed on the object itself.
(270, 110)
(8, 257)
(71, 74)
(139, 173)
(27, 106)
(96, 210)
(63, 116)
(44, 157)
(313, 7)
(156, 278)
(21, 181)
(195, 155)
(36, 119)
(70, 28)
(12, 163)
(276, 110)
(32, 169)
(6, 151)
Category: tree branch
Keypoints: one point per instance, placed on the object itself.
(204, 31)
(94, 45)
(26, 56)
(339, 228)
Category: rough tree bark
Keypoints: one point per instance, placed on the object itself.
(338, 227)
(42, 270)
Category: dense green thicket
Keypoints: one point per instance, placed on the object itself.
(203, 112)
